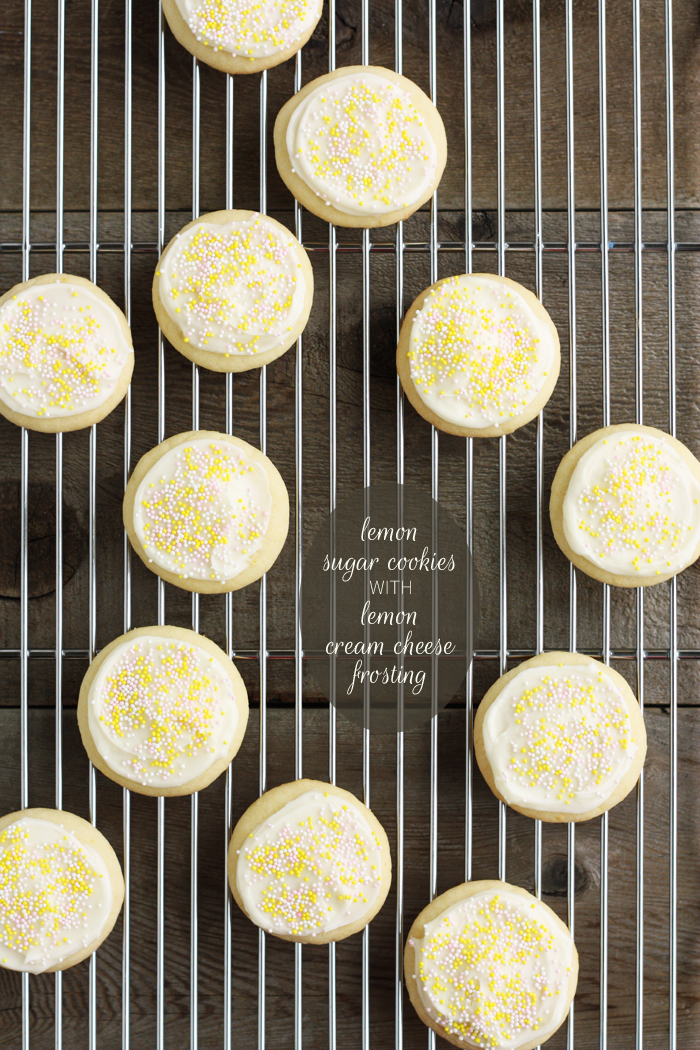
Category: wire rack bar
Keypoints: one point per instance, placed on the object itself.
(160, 840)
(571, 260)
(400, 742)
(24, 466)
(539, 450)
(479, 654)
(673, 612)
(228, 795)
(389, 247)
(58, 602)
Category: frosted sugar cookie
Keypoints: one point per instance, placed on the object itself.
(625, 506)
(162, 711)
(61, 890)
(66, 356)
(233, 290)
(308, 862)
(361, 146)
(478, 355)
(242, 37)
(206, 511)
(560, 738)
(489, 966)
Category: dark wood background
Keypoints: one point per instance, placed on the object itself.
(521, 507)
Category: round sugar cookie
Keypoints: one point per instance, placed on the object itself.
(560, 738)
(222, 536)
(239, 37)
(162, 711)
(233, 290)
(66, 355)
(375, 136)
(500, 969)
(309, 863)
(478, 355)
(625, 506)
(61, 890)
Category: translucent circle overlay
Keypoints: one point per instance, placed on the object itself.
(389, 608)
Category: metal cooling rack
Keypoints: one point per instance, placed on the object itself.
(398, 247)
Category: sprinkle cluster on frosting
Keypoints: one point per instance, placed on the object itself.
(573, 735)
(301, 875)
(476, 346)
(56, 353)
(45, 890)
(640, 510)
(492, 971)
(206, 515)
(251, 29)
(231, 288)
(362, 142)
(163, 702)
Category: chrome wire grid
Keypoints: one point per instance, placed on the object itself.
(372, 242)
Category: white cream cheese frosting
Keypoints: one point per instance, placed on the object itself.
(234, 289)
(479, 354)
(249, 30)
(161, 711)
(55, 895)
(559, 738)
(632, 506)
(494, 970)
(314, 866)
(62, 350)
(360, 143)
(203, 509)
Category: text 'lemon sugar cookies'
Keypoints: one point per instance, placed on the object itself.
(560, 738)
(162, 711)
(233, 290)
(206, 511)
(489, 966)
(362, 146)
(308, 862)
(625, 506)
(61, 890)
(238, 36)
(478, 355)
(66, 356)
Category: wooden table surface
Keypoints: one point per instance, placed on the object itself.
(586, 338)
